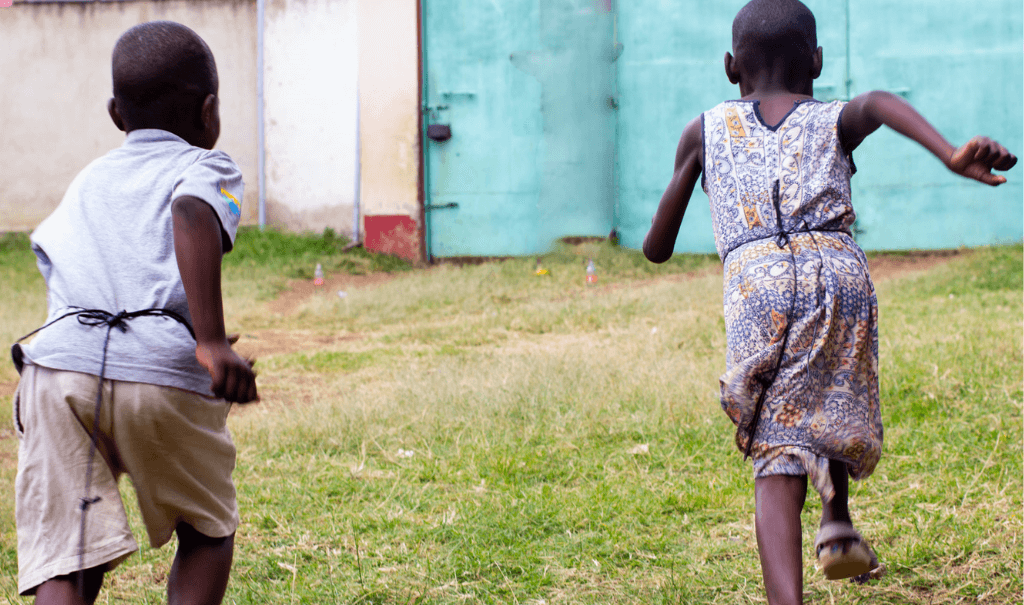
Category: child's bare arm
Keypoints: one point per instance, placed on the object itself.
(661, 239)
(976, 159)
(198, 248)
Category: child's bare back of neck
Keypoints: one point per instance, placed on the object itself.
(774, 100)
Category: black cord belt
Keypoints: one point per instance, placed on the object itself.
(94, 318)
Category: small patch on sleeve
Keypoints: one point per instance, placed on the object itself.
(233, 204)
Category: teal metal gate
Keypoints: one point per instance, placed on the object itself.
(558, 129)
(519, 121)
(962, 68)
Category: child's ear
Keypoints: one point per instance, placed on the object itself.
(209, 115)
(115, 115)
(730, 69)
(816, 63)
(200, 118)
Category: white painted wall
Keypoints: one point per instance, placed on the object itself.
(389, 97)
(55, 70)
(55, 74)
(312, 68)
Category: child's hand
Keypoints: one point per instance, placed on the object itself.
(233, 377)
(978, 157)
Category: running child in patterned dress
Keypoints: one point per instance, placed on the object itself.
(801, 380)
(133, 372)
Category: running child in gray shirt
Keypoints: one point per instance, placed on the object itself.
(133, 372)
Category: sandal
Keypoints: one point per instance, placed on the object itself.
(876, 573)
(846, 554)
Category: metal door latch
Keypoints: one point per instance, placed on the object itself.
(441, 206)
(439, 132)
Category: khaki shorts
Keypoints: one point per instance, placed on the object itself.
(174, 445)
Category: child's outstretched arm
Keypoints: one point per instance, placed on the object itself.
(661, 239)
(198, 247)
(976, 159)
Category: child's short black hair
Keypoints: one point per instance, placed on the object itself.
(162, 73)
(771, 29)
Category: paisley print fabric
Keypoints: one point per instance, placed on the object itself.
(800, 308)
(792, 460)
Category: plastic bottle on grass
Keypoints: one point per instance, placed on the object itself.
(591, 273)
(318, 275)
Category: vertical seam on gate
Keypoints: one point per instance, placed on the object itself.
(616, 205)
(847, 80)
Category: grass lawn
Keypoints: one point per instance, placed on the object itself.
(481, 434)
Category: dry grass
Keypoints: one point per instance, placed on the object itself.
(477, 434)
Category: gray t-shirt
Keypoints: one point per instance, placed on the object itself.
(110, 246)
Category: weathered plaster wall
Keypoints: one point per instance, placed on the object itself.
(310, 100)
(389, 123)
(54, 119)
(55, 68)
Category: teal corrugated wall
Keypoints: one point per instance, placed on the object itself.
(962, 67)
(565, 116)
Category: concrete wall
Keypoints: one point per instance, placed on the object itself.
(55, 68)
(389, 126)
(54, 120)
(310, 102)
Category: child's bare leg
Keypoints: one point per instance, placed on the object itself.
(199, 575)
(837, 509)
(778, 500)
(69, 589)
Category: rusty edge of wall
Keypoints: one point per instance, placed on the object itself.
(421, 182)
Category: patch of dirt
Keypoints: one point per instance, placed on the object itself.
(602, 287)
(277, 342)
(7, 389)
(301, 289)
(264, 343)
(883, 265)
(893, 265)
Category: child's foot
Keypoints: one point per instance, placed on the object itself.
(842, 552)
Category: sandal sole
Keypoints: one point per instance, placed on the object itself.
(838, 565)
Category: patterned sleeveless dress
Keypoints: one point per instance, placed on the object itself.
(801, 379)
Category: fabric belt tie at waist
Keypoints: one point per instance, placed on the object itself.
(781, 237)
(94, 318)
